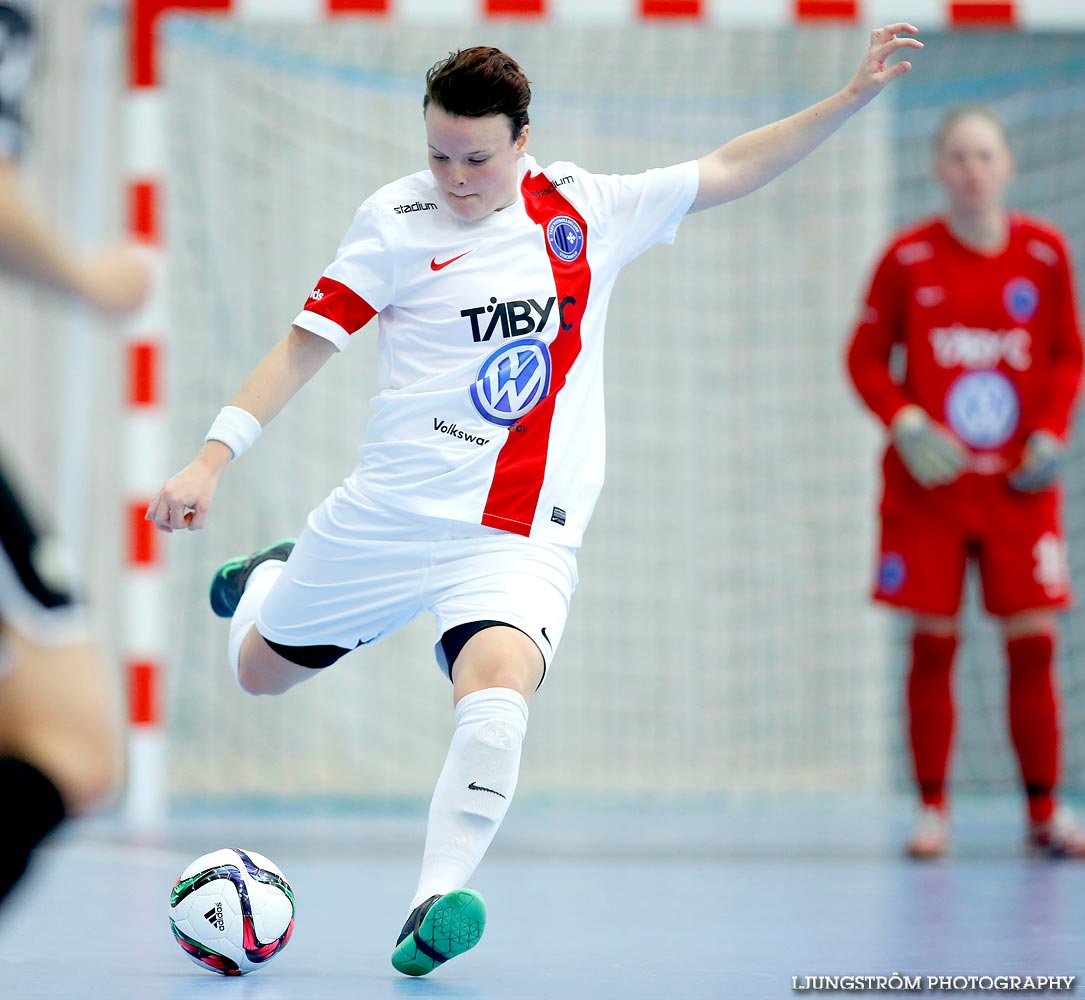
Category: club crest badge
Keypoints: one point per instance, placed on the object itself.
(565, 237)
(891, 573)
(1021, 298)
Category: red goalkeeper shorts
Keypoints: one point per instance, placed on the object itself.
(1020, 555)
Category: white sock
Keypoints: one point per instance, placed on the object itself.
(260, 581)
(485, 753)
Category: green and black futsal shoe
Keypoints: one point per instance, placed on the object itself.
(439, 929)
(228, 583)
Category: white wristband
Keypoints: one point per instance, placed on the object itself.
(236, 428)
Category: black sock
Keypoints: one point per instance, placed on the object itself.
(32, 809)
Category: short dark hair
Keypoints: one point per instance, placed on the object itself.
(477, 82)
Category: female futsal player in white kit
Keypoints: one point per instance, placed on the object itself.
(490, 277)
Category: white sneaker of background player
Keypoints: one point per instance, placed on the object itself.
(1060, 837)
(930, 836)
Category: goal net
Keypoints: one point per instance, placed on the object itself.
(721, 639)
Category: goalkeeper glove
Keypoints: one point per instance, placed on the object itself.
(929, 451)
(1041, 465)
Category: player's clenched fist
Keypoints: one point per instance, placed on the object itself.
(185, 499)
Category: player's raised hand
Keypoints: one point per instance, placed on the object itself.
(875, 71)
(929, 451)
(183, 503)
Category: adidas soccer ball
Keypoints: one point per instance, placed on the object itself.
(232, 911)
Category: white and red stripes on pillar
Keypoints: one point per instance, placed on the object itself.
(144, 634)
(144, 608)
(144, 638)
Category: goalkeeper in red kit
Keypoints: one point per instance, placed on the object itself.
(969, 350)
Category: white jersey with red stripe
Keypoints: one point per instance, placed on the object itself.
(490, 339)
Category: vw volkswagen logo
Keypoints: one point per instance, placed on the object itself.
(512, 381)
(982, 408)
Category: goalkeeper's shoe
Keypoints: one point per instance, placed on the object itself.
(228, 583)
(1060, 837)
(930, 836)
(439, 929)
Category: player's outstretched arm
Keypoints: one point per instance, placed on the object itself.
(753, 159)
(186, 498)
(110, 279)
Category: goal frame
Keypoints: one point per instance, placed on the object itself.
(143, 639)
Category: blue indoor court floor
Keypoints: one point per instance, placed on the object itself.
(707, 901)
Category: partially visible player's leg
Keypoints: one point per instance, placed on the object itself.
(60, 747)
(500, 625)
(239, 590)
(1025, 582)
(494, 676)
(1030, 639)
(930, 704)
(921, 570)
(58, 711)
(352, 576)
(261, 670)
(60, 727)
(930, 728)
(1031, 642)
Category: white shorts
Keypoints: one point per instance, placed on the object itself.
(361, 570)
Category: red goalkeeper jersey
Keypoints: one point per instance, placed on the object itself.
(987, 344)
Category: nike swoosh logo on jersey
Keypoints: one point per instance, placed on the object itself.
(483, 788)
(434, 266)
(547, 638)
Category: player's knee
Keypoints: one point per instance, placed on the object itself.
(523, 678)
(498, 658)
(99, 781)
(86, 772)
(1038, 622)
(261, 671)
(934, 625)
(253, 678)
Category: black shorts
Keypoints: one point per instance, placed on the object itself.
(36, 592)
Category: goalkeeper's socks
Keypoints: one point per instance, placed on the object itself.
(474, 789)
(930, 712)
(33, 808)
(257, 587)
(1034, 719)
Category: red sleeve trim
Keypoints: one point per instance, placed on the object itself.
(335, 301)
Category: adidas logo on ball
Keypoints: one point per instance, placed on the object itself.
(214, 918)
